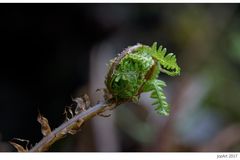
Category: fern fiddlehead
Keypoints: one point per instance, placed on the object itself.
(136, 70)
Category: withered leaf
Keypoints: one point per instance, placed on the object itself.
(66, 114)
(79, 123)
(70, 111)
(78, 110)
(45, 128)
(22, 140)
(87, 100)
(104, 115)
(107, 95)
(63, 132)
(80, 105)
(18, 147)
(72, 132)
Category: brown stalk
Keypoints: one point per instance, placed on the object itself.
(72, 124)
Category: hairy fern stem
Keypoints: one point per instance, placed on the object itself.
(75, 122)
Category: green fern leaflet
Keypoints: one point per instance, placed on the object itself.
(136, 70)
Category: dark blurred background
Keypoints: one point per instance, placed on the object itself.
(52, 52)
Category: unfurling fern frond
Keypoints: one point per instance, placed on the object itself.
(168, 61)
(156, 88)
(136, 70)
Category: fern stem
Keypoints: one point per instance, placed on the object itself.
(74, 122)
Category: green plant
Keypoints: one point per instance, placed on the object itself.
(134, 71)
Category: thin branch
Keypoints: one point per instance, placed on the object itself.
(72, 124)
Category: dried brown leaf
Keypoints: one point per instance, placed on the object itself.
(79, 123)
(72, 132)
(45, 128)
(107, 95)
(64, 131)
(74, 129)
(22, 140)
(66, 114)
(18, 147)
(78, 110)
(104, 115)
(80, 105)
(70, 111)
(87, 100)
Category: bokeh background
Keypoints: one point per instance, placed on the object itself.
(52, 52)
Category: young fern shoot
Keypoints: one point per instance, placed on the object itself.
(134, 71)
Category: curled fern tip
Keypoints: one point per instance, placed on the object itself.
(135, 70)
